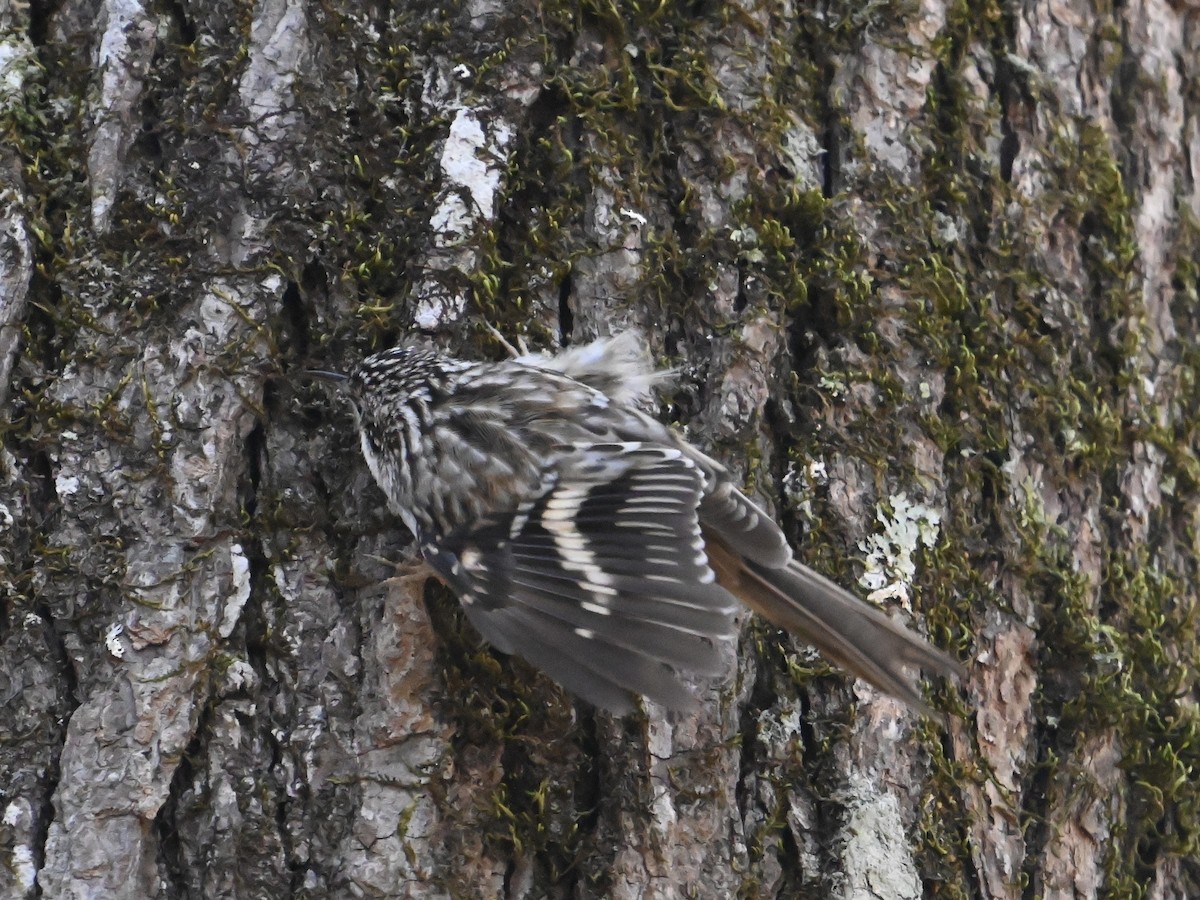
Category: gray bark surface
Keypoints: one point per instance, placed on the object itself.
(928, 276)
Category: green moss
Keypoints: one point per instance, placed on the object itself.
(964, 291)
(1143, 688)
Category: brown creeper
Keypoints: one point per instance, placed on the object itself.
(587, 537)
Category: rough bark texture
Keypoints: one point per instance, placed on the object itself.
(928, 273)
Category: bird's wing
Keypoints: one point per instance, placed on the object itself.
(600, 577)
(723, 509)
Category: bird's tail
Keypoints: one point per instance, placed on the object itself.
(846, 630)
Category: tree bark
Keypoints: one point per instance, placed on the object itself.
(927, 274)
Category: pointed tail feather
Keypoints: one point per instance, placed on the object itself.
(846, 630)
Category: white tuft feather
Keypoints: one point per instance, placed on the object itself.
(619, 366)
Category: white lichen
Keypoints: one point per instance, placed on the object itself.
(113, 642)
(470, 169)
(801, 483)
(65, 485)
(16, 813)
(23, 867)
(474, 159)
(240, 576)
(890, 555)
(16, 62)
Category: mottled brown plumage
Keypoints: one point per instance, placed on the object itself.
(589, 538)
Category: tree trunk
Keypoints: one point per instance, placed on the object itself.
(928, 276)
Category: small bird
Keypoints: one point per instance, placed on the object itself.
(587, 537)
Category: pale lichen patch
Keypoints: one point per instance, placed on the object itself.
(890, 563)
